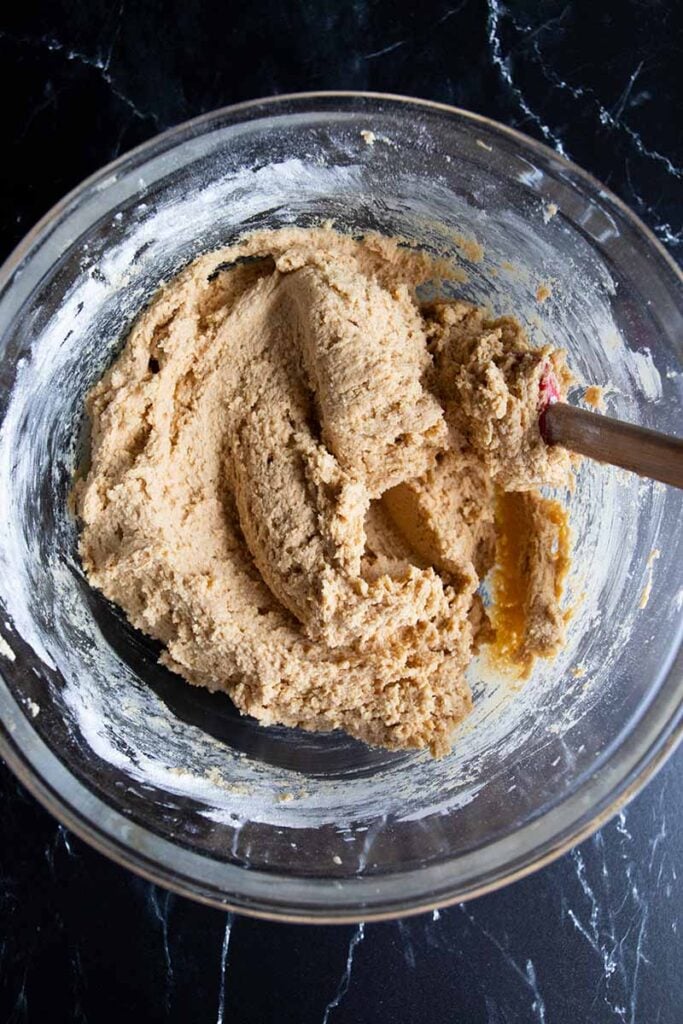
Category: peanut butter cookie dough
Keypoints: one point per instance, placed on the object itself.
(293, 483)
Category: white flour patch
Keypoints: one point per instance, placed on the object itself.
(6, 651)
(645, 374)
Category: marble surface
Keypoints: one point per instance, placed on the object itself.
(594, 937)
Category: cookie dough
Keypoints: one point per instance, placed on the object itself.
(293, 482)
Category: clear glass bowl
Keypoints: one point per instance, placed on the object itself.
(169, 780)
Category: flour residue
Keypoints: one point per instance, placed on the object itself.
(644, 373)
(6, 651)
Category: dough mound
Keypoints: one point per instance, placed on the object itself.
(292, 481)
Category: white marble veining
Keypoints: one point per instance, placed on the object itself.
(345, 980)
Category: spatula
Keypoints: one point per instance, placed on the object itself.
(638, 449)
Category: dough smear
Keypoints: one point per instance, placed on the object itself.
(293, 483)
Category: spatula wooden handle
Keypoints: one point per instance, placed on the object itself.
(638, 449)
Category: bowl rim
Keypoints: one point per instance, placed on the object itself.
(92, 831)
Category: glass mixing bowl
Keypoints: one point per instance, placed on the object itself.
(170, 780)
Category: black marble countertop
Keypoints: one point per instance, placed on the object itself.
(595, 936)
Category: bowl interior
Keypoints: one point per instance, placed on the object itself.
(175, 773)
